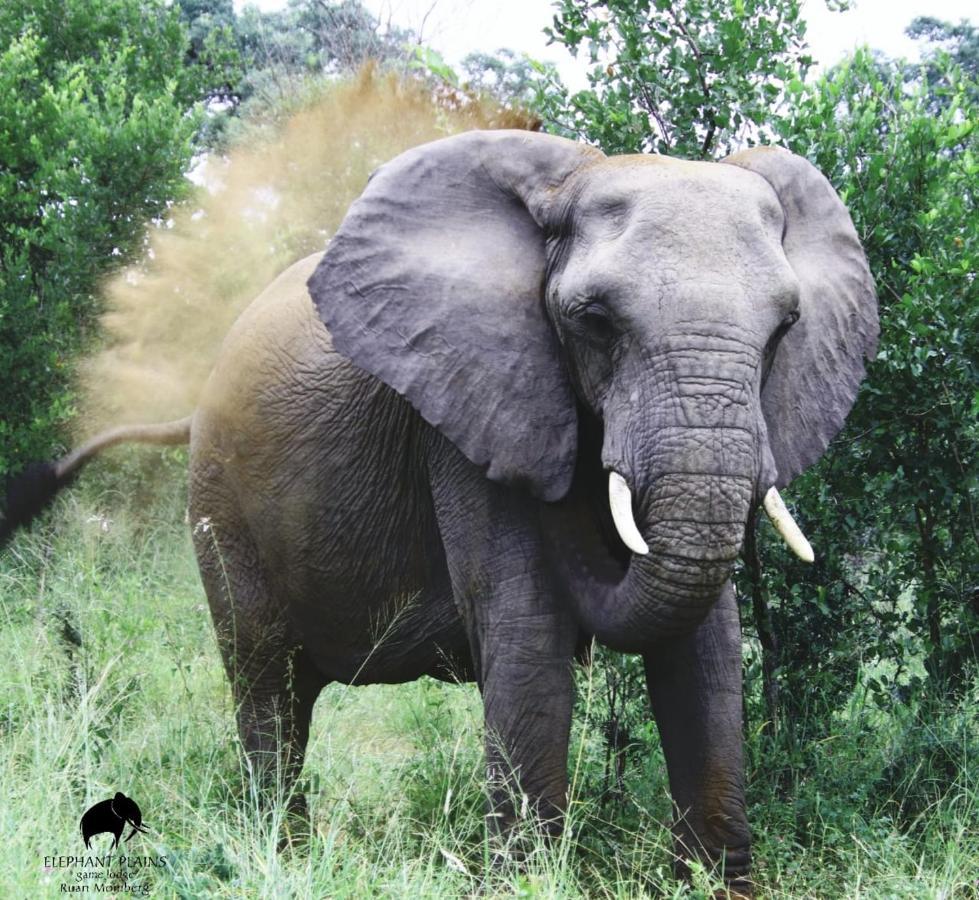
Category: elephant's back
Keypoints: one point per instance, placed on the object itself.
(276, 369)
(275, 401)
(280, 394)
(277, 329)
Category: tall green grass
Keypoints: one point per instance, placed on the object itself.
(110, 680)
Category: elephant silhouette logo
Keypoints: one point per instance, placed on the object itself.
(112, 815)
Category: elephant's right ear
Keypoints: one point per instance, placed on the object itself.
(434, 283)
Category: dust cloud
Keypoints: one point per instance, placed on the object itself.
(264, 206)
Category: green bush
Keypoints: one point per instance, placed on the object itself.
(891, 507)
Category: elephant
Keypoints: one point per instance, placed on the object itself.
(111, 815)
(529, 396)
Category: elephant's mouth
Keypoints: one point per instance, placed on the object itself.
(620, 504)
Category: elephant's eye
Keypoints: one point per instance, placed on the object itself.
(593, 320)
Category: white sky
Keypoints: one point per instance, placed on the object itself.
(458, 27)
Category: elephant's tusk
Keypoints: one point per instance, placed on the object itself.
(620, 501)
(785, 525)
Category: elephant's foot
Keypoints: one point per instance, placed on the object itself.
(518, 826)
(276, 789)
(732, 864)
(736, 890)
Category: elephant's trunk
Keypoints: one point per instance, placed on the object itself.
(694, 525)
(694, 473)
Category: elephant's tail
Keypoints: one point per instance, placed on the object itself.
(32, 491)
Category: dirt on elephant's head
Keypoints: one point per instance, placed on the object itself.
(272, 199)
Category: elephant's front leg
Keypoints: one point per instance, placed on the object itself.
(522, 640)
(695, 687)
(525, 665)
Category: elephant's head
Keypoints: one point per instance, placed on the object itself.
(713, 318)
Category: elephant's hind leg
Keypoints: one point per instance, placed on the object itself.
(273, 682)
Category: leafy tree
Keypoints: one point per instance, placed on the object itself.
(686, 77)
(203, 18)
(264, 64)
(960, 42)
(343, 35)
(213, 46)
(945, 43)
(510, 77)
(95, 135)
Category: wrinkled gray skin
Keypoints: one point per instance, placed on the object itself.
(421, 489)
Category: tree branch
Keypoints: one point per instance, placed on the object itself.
(701, 77)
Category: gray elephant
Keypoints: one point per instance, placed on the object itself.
(551, 391)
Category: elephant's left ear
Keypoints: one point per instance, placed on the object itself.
(819, 363)
(434, 284)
